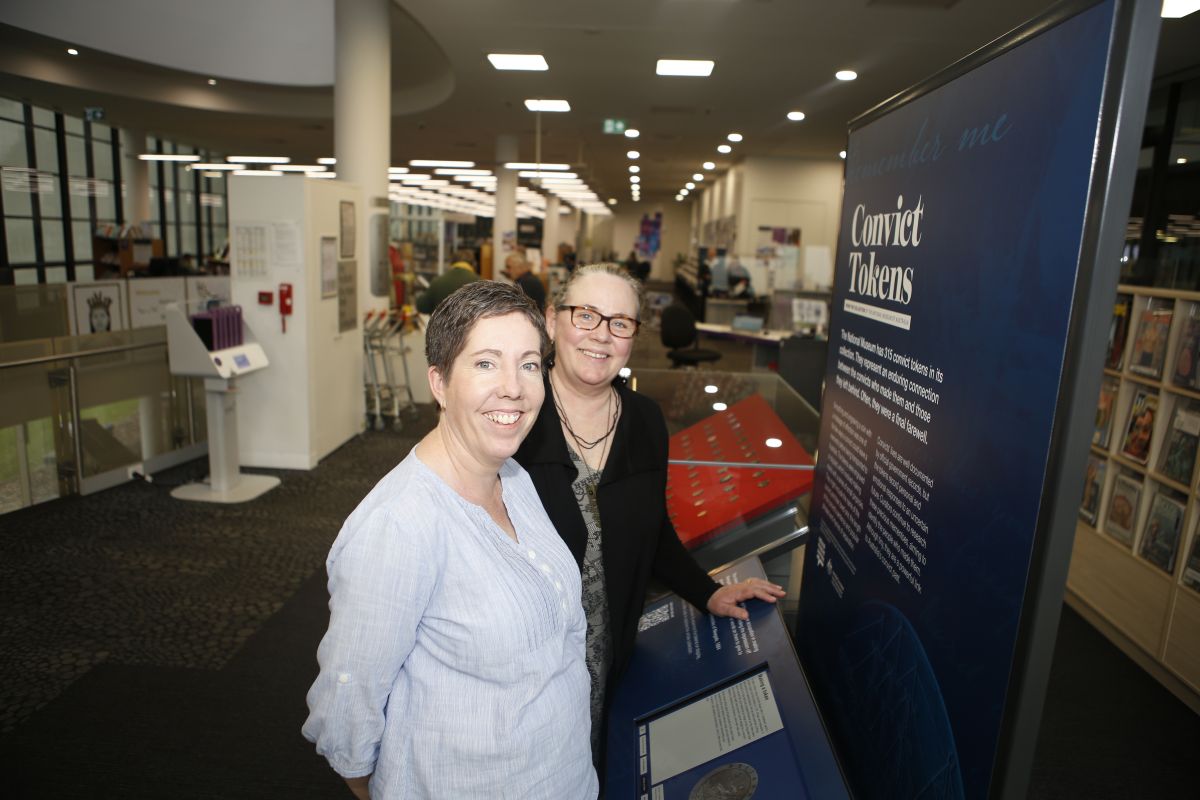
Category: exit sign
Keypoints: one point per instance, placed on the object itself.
(614, 126)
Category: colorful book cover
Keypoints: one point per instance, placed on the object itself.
(1093, 482)
(1122, 508)
(1179, 449)
(1150, 342)
(1187, 352)
(1118, 330)
(1140, 428)
(1161, 540)
(1104, 411)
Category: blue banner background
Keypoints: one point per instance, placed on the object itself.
(913, 683)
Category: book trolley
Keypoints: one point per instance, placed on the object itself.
(1135, 567)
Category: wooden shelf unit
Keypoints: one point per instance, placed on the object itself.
(1151, 614)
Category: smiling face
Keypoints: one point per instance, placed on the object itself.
(493, 391)
(592, 357)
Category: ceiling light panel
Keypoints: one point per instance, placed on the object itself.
(692, 68)
(518, 61)
(427, 162)
(534, 165)
(557, 106)
(258, 159)
(166, 157)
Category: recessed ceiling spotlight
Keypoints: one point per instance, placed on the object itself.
(709, 165)
(515, 61)
(690, 185)
(212, 81)
(773, 442)
(1181, 160)
(692, 68)
(632, 133)
(842, 154)
(634, 179)
(548, 105)
(71, 51)
(697, 177)
(795, 116)
(734, 137)
(634, 168)
(612, 201)
(724, 148)
(845, 75)
(633, 155)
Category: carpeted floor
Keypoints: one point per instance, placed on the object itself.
(155, 649)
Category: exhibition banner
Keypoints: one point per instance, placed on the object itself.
(958, 261)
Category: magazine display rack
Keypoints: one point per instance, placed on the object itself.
(1135, 567)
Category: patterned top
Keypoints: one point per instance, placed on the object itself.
(453, 665)
(598, 650)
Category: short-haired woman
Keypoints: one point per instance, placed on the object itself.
(453, 664)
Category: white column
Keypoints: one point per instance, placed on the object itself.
(550, 231)
(504, 225)
(362, 133)
(136, 175)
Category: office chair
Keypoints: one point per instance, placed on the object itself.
(678, 332)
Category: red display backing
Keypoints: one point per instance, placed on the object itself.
(705, 501)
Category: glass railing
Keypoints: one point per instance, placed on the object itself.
(83, 413)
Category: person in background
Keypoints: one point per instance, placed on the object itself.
(598, 457)
(516, 268)
(461, 272)
(453, 664)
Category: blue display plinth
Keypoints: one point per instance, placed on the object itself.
(717, 706)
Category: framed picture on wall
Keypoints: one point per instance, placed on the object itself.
(347, 228)
(97, 307)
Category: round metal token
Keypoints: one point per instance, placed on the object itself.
(727, 782)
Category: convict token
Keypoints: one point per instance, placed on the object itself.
(727, 782)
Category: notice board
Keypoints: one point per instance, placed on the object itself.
(977, 260)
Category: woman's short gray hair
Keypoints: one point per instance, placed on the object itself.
(602, 268)
(453, 319)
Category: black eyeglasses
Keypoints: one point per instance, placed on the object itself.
(588, 319)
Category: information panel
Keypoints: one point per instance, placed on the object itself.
(958, 256)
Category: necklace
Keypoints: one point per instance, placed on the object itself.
(579, 440)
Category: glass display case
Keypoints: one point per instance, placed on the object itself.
(743, 449)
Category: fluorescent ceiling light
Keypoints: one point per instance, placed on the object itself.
(517, 61)
(214, 175)
(724, 148)
(697, 177)
(795, 116)
(301, 167)
(259, 173)
(326, 175)
(1174, 9)
(215, 167)
(634, 169)
(1181, 160)
(734, 137)
(166, 157)
(534, 165)
(258, 159)
(397, 170)
(533, 173)
(426, 162)
(633, 154)
(694, 68)
(547, 105)
(709, 165)
(460, 171)
(327, 160)
(845, 75)
(414, 178)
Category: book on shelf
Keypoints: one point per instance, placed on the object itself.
(1187, 352)
(1140, 428)
(1093, 481)
(1191, 570)
(1179, 450)
(1122, 508)
(1118, 330)
(1160, 542)
(1150, 341)
(1104, 410)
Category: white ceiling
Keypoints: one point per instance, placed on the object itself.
(147, 63)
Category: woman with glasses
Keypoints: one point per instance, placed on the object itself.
(598, 458)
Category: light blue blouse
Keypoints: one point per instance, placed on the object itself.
(453, 665)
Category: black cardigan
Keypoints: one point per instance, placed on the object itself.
(638, 539)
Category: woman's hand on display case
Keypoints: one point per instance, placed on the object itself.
(724, 601)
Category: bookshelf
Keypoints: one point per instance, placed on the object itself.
(1128, 574)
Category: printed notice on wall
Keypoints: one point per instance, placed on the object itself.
(249, 251)
(712, 726)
